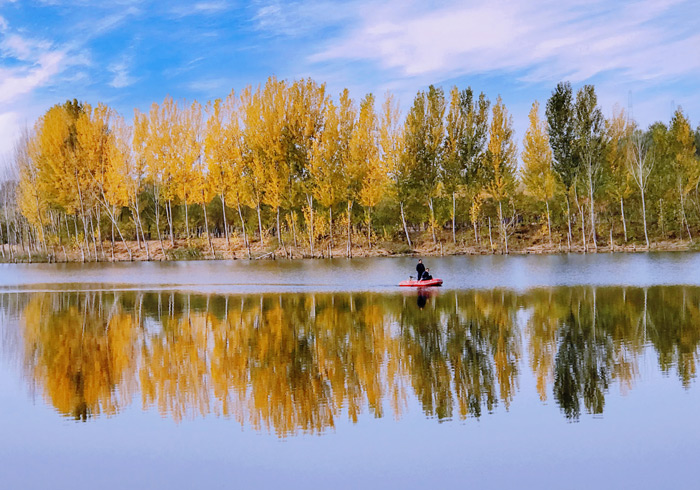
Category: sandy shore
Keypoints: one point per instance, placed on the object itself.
(198, 249)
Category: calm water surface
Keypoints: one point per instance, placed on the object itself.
(560, 371)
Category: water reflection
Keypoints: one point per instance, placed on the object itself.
(290, 363)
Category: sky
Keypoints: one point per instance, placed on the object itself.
(643, 54)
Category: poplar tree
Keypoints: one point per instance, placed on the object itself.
(537, 174)
(423, 140)
(685, 165)
(125, 177)
(347, 114)
(375, 180)
(619, 131)
(451, 170)
(500, 162)
(96, 140)
(472, 147)
(364, 158)
(562, 138)
(590, 145)
(326, 165)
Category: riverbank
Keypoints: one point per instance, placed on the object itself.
(198, 249)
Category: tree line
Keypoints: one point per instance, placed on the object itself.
(287, 167)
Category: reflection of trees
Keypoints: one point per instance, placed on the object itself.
(80, 352)
(672, 324)
(290, 362)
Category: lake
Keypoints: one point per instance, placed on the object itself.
(552, 371)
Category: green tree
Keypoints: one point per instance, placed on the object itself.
(562, 138)
(590, 146)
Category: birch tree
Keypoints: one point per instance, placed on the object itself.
(641, 163)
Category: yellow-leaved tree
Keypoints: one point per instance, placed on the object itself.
(363, 150)
(499, 164)
(620, 132)
(224, 155)
(124, 179)
(375, 181)
(95, 140)
(537, 174)
(326, 165)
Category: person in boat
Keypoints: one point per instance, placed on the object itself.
(426, 275)
(420, 269)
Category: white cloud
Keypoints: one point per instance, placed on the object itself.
(121, 75)
(541, 40)
(19, 81)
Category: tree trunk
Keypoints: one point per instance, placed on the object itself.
(138, 239)
(568, 219)
(82, 214)
(294, 228)
(454, 214)
(405, 227)
(490, 237)
(583, 221)
(622, 213)
(330, 224)
(504, 232)
(369, 227)
(206, 227)
(156, 202)
(260, 229)
(349, 245)
(92, 235)
(432, 219)
(661, 218)
(77, 238)
(169, 216)
(644, 215)
(99, 233)
(280, 241)
(684, 218)
(140, 226)
(310, 224)
(592, 204)
(187, 223)
(549, 224)
(223, 211)
(476, 233)
(245, 234)
(112, 239)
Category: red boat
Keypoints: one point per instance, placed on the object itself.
(421, 284)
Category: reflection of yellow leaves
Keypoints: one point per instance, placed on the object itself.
(85, 366)
(295, 363)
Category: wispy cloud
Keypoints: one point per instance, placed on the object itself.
(297, 18)
(200, 8)
(540, 40)
(36, 62)
(121, 73)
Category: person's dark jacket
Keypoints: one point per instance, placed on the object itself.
(426, 276)
(420, 269)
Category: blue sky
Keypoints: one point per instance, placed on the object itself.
(130, 53)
